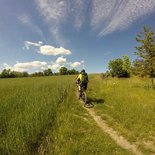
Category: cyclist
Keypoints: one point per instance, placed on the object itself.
(82, 80)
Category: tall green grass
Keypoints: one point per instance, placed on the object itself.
(76, 133)
(28, 107)
(128, 106)
(43, 116)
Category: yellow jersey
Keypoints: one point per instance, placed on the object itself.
(80, 76)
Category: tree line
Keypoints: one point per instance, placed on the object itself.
(8, 73)
(143, 65)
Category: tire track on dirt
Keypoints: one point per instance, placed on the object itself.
(120, 140)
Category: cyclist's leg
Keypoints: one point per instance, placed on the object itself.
(83, 93)
(79, 91)
(85, 86)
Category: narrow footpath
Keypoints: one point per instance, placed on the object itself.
(120, 140)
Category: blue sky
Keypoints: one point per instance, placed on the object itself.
(40, 34)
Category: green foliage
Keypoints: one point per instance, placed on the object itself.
(37, 74)
(126, 65)
(115, 67)
(19, 74)
(72, 71)
(120, 67)
(47, 72)
(6, 73)
(63, 71)
(146, 51)
(138, 68)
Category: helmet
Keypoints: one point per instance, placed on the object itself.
(82, 71)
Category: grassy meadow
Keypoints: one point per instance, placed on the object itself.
(42, 116)
(128, 105)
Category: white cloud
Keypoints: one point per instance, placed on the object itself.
(60, 60)
(42, 65)
(50, 50)
(25, 66)
(55, 67)
(29, 44)
(114, 15)
(76, 64)
(30, 64)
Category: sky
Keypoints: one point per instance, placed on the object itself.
(40, 34)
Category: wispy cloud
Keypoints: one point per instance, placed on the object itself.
(56, 13)
(79, 9)
(104, 16)
(27, 21)
(113, 15)
(29, 44)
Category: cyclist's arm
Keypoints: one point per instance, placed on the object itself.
(78, 78)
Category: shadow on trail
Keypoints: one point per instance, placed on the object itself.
(96, 100)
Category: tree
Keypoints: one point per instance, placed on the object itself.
(126, 65)
(25, 74)
(146, 51)
(40, 74)
(72, 71)
(115, 67)
(120, 67)
(63, 71)
(47, 72)
(138, 68)
(6, 73)
(37, 74)
(15, 74)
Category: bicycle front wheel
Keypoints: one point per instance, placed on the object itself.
(84, 97)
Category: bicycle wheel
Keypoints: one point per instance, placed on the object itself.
(78, 94)
(84, 97)
(89, 105)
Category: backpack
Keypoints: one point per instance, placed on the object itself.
(84, 78)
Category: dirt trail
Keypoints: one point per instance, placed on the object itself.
(120, 140)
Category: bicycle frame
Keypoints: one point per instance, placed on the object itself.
(82, 93)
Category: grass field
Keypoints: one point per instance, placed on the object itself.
(43, 116)
(128, 105)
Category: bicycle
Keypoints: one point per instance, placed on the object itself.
(83, 96)
(81, 93)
